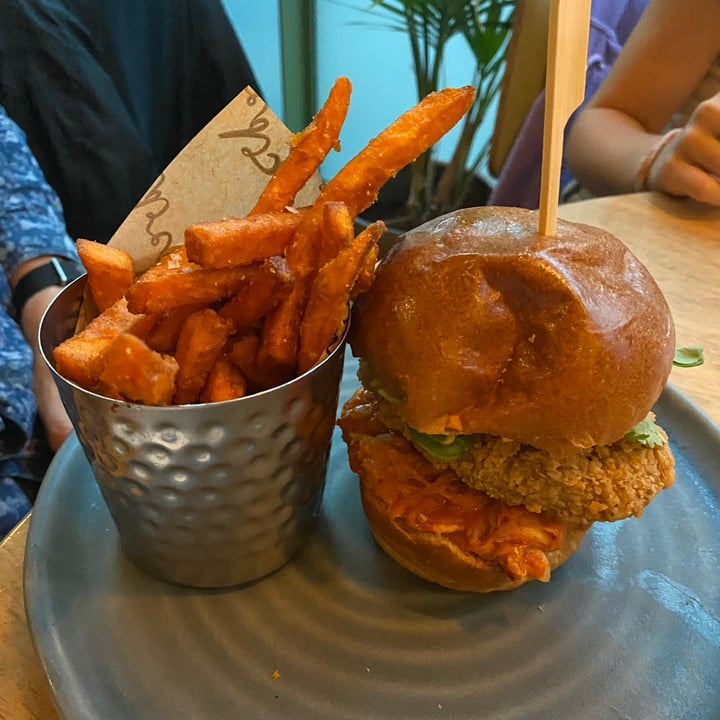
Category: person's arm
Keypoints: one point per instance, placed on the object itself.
(49, 405)
(55, 420)
(617, 143)
(31, 233)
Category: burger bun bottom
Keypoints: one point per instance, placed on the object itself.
(436, 559)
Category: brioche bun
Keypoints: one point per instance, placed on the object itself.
(476, 323)
(435, 558)
(503, 373)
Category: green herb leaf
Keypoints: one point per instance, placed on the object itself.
(647, 433)
(691, 356)
(443, 447)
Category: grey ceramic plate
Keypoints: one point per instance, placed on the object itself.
(629, 628)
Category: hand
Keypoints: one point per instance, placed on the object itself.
(50, 407)
(689, 165)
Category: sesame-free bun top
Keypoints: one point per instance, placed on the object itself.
(476, 323)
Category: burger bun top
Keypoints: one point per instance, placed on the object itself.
(476, 323)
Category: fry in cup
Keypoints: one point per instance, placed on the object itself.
(213, 494)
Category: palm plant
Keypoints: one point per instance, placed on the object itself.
(430, 25)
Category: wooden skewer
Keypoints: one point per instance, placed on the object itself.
(564, 91)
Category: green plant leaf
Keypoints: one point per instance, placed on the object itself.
(691, 356)
(443, 447)
(647, 433)
(430, 25)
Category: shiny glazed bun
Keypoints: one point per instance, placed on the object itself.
(477, 324)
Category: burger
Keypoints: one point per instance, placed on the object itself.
(507, 385)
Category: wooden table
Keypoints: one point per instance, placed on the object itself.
(678, 241)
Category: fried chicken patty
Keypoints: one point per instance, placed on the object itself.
(607, 482)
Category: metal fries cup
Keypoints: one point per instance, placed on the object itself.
(208, 495)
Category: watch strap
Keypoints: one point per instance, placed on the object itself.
(57, 271)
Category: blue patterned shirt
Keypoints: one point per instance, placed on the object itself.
(31, 224)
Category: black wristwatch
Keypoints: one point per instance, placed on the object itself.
(57, 271)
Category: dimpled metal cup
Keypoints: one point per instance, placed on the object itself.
(207, 495)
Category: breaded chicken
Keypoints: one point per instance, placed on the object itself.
(608, 482)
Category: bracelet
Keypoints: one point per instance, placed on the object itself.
(643, 171)
(57, 271)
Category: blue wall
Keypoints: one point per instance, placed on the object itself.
(258, 27)
(377, 60)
